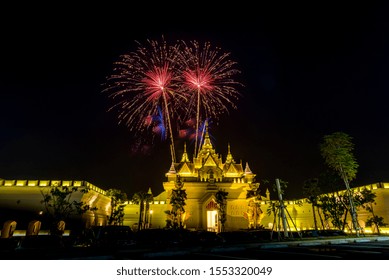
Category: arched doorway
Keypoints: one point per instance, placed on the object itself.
(212, 216)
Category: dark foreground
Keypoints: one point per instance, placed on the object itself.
(162, 244)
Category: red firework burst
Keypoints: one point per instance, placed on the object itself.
(143, 81)
(159, 85)
(208, 77)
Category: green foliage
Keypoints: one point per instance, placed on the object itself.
(330, 181)
(283, 186)
(169, 220)
(376, 220)
(312, 191)
(333, 208)
(117, 206)
(59, 205)
(336, 149)
(272, 208)
(143, 199)
(367, 201)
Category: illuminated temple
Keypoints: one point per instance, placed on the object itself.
(201, 178)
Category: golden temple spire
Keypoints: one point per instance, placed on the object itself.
(229, 155)
(172, 169)
(185, 157)
(247, 170)
(207, 140)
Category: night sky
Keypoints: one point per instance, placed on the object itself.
(308, 71)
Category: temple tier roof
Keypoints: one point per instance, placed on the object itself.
(208, 164)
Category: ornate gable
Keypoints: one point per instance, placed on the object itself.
(185, 169)
(208, 166)
(232, 170)
(210, 161)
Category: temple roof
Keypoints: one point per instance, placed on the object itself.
(209, 162)
(185, 157)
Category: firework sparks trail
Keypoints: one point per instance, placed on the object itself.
(157, 124)
(208, 76)
(190, 131)
(143, 82)
(156, 85)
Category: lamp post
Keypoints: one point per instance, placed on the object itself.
(150, 216)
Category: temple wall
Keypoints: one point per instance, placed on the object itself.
(299, 214)
(24, 196)
(20, 200)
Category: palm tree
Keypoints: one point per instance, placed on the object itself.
(143, 198)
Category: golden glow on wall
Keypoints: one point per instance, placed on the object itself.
(9, 183)
(21, 183)
(94, 188)
(32, 183)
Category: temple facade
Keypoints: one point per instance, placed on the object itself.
(201, 177)
(207, 173)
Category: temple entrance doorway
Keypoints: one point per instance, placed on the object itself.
(212, 221)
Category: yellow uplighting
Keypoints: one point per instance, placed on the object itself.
(32, 183)
(9, 183)
(55, 182)
(43, 183)
(21, 183)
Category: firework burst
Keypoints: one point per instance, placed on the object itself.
(159, 86)
(208, 77)
(144, 85)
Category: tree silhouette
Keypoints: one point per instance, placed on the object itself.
(117, 206)
(312, 191)
(367, 201)
(221, 201)
(59, 206)
(143, 198)
(336, 149)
